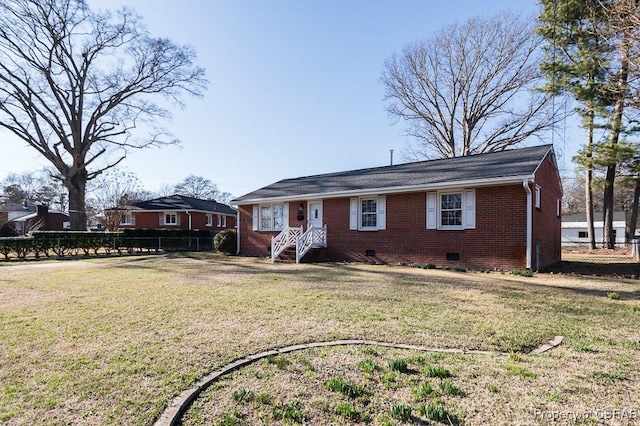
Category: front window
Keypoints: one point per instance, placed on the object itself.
(369, 213)
(272, 217)
(209, 220)
(126, 219)
(170, 219)
(451, 210)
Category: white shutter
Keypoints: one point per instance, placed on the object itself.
(285, 215)
(353, 216)
(470, 209)
(161, 219)
(382, 213)
(256, 217)
(133, 218)
(432, 212)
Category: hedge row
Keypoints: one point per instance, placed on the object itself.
(71, 243)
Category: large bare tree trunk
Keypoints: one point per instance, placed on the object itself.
(77, 186)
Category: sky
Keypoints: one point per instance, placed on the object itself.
(294, 87)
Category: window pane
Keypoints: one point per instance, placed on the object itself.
(451, 209)
(278, 216)
(265, 217)
(368, 206)
(369, 217)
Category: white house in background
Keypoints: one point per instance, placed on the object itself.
(574, 228)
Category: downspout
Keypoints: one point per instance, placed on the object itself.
(188, 214)
(238, 231)
(527, 189)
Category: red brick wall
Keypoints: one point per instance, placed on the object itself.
(546, 242)
(152, 220)
(499, 240)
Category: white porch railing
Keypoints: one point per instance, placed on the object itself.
(285, 239)
(313, 237)
(303, 241)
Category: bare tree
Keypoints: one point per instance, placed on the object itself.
(202, 188)
(112, 192)
(471, 88)
(38, 187)
(75, 84)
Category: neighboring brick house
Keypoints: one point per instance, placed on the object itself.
(19, 219)
(494, 210)
(175, 212)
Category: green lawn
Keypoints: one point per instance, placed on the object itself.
(114, 340)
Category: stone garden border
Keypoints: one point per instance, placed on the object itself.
(181, 403)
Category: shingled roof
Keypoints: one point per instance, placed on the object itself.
(493, 167)
(181, 202)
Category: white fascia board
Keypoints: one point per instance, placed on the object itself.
(475, 183)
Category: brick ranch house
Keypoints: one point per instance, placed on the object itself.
(174, 212)
(20, 219)
(495, 210)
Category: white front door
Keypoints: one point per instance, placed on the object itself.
(315, 214)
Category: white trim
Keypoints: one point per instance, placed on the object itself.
(391, 190)
(309, 219)
(285, 216)
(382, 213)
(432, 210)
(538, 199)
(238, 232)
(439, 204)
(170, 213)
(255, 217)
(353, 214)
(124, 216)
(527, 189)
(469, 209)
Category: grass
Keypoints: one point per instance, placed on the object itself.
(114, 340)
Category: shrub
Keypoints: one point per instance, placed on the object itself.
(226, 241)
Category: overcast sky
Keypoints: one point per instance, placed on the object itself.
(294, 91)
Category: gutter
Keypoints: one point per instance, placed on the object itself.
(527, 189)
(238, 232)
(389, 190)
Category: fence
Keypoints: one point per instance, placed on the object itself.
(579, 258)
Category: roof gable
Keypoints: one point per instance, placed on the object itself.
(181, 202)
(516, 164)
